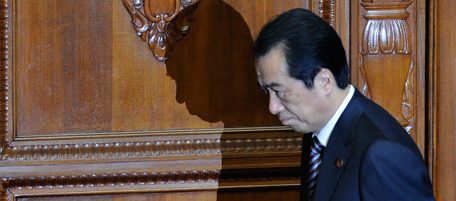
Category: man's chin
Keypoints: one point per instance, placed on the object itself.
(298, 129)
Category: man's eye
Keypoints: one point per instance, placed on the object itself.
(278, 93)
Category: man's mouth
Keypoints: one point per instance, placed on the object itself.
(284, 120)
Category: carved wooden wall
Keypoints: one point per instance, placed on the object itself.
(92, 111)
(389, 64)
(95, 107)
(402, 54)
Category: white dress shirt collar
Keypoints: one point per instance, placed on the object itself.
(325, 133)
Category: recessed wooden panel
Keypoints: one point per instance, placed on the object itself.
(62, 66)
(90, 78)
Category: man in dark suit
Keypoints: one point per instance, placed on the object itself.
(360, 152)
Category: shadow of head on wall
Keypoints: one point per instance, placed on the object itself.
(214, 69)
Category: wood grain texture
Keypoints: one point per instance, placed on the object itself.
(87, 114)
(442, 105)
(64, 84)
(84, 104)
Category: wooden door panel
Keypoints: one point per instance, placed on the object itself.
(89, 112)
(85, 104)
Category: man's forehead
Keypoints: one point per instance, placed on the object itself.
(270, 70)
(268, 79)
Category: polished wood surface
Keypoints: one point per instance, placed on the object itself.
(62, 70)
(92, 108)
(90, 111)
(442, 148)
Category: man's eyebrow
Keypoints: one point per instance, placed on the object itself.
(270, 85)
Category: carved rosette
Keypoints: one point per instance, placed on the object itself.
(160, 30)
(386, 59)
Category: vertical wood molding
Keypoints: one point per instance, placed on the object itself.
(387, 65)
(4, 78)
(326, 9)
(4, 86)
(441, 104)
(336, 14)
(432, 94)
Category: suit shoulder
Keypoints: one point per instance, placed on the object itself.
(384, 150)
(393, 170)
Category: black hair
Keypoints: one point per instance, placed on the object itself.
(310, 44)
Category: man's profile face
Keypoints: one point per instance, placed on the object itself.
(296, 106)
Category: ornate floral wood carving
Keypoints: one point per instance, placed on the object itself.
(113, 150)
(386, 52)
(158, 148)
(160, 29)
(408, 101)
(145, 181)
(386, 31)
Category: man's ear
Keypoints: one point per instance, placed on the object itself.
(326, 80)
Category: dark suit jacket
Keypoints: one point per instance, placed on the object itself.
(378, 159)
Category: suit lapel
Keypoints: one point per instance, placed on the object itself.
(336, 149)
(329, 171)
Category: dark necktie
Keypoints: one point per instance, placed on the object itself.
(316, 149)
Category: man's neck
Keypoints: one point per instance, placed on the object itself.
(324, 134)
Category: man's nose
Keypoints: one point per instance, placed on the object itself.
(275, 104)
